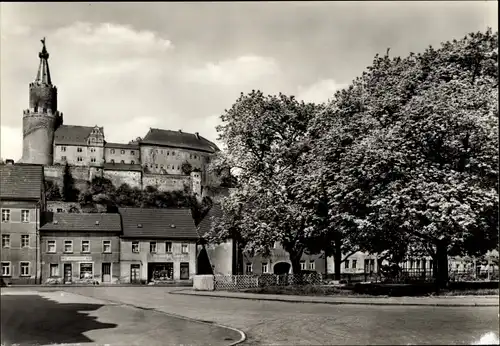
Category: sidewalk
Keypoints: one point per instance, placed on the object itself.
(410, 301)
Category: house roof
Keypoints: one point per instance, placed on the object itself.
(121, 145)
(205, 224)
(21, 181)
(82, 222)
(158, 223)
(179, 139)
(72, 134)
(109, 166)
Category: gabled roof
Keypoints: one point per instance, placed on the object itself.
(178, 139)
(21, 181)
(82, 222)
(206, 223)
(72, 134)
(109, 166)
(158, 223)
(130, 146)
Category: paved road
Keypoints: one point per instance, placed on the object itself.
(282, 323)
(42, 318)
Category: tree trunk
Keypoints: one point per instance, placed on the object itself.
(442, 263)
(295, 259)
(337, 259)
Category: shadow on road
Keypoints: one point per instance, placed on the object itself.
(32, 319)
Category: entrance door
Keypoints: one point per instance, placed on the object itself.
(106, 272)
(67, 273)
(184, 271)
(135, 273)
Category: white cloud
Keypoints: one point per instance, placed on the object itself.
(239, 71)
(320, 91)
(11, 139)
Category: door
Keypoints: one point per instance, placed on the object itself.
(135, 276)
(106, 272)
(67, 272)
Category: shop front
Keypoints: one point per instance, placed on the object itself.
(80, 269)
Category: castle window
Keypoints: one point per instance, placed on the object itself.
(132, 162)
(63, 148)
(190, 156)
(63, 158)
(132, 152)
(79, 149)
(122, 161)
(112, 151)
(122, 152)
(112, 161)
(156, 166)
(173, 153)
(92, 159)
(178, 167)
(79, 159)
(161, 166)
(168, 153)
(92, 150)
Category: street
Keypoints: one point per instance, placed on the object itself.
(42, 318)
(281, 323)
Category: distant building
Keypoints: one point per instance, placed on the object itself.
(81, 248)
(157, 245)
(21, 200)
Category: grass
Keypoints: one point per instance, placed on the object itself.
(312, 290)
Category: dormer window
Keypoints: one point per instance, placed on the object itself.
(122, 152)
(112, 151)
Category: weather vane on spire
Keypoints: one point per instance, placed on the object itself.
(43, 41)
(43, 54)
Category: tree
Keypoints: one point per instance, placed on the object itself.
(200, 209)
(69, 193)
(52, 191)
(265, 138)
(186, 168)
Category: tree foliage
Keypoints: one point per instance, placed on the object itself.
(69, 191)
(52, 191)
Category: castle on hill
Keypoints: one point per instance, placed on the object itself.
(154, 160)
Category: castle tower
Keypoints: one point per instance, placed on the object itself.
(42, 118)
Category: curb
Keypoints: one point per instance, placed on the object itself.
(242, 334)
(336, 302)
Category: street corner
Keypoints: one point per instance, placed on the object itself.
(30, 317)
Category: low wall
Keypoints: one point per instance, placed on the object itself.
(132, 178)
(81, 175)
(165, 182)
(204, 282)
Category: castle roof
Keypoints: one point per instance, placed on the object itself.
(21, 181)
(82, 222)
(158, 223)
(72, 134)
(110, 166)
(178, 139)
(122, 145)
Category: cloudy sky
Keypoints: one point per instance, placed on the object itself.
(131, 66)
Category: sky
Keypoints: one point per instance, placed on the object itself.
(132, 66)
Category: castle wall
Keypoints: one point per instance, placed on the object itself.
(81, 175)
(158, 159)
(166, 182)
(81, 155)
(117, 155)
(132, 178)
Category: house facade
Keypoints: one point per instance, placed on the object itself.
(79, 247)
(21, 200)
(157, 245)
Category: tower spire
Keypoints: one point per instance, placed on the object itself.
(43, 75)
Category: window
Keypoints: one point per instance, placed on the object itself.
(112, 151)
(190, 156)
(5, 240)
(132, 152)
(173, 153)
(132, 162)
(265, 268)
(86, 271)
(25, 268)
(5, 215)
(275, 245)
(68, 246)
(168, 153)
(25, 216)
(122, 161)
(63, 148)
(106, 246)
(346, 264)
(5, 268)
(354, 264)
(92, 159)
(156, 165)
(135, 247)
(79, 150)
(79, 159)
(152, 246)
(312, 265)
(92, 150)
(248, 268)
(302, 265)
(418, 264)
(112, 161)
(122, 152)
(63, 158)
(54, 270)
(60, 210)
(168, 246)
(25, 240)
(51, 246)
(184, 248)
(85, 245)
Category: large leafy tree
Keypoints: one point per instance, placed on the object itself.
(69, 191)
(265, 137)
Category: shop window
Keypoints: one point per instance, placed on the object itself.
(86, 271)
(54, 270)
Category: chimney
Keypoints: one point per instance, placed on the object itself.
(197, 135)
(9, 162)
